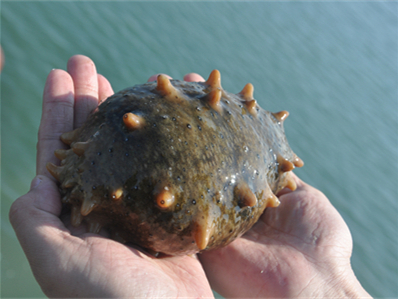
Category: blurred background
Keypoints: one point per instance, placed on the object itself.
(333, 66)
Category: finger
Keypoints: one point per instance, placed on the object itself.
(299, 182)
(104, 88)
(193, 77)
(1, 59)
(40, 207)
(42, 235)
(155, 77)
(57, 118)
(84, 75)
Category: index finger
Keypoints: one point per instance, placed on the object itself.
(57, 118)
(84, 73)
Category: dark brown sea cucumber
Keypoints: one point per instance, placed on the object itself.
(175, 167)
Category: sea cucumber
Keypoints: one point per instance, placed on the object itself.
(175, 167)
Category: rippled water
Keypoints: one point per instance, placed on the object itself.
(332, 65)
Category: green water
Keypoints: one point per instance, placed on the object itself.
(333, 66)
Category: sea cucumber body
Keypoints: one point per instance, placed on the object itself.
(185, 176)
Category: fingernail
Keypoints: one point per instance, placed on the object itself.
(35, 182)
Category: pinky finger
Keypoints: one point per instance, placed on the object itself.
(193, 77)
(104, 88)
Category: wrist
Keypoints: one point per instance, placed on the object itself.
(344, 285)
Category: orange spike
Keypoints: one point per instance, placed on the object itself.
(290, 182)
(88, 206)
(164, 86)
(152, 252)
(167, 90)
(214, 80)
(133, 121)
(61, 153)
(297, 161)
(246, 197)
(202, 233)
(70, 137)
(94, 226)
(165, 199)
(65, 199)
(247, 92)
(284, 164)
(75, 193)
(117, 194)
(76, 216)
(214, 99)
(251, 107)
(281, 115)
(69, 183)
(80, 147)
(272, 201)
(54, 170)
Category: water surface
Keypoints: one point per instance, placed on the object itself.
(333, 66)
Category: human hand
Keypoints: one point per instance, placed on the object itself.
(300, 249)
(68, 261)
(1, 59)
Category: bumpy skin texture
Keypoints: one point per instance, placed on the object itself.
(175, 167)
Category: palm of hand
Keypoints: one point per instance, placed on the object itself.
(284, 251)
(74, 263)
(67, 261)
(113, 269)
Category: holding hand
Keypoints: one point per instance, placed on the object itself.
(68, 261)
(300, 249)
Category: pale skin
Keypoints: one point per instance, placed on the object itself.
(1, 59)
(300, 249)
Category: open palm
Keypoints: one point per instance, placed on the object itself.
(302, 243)
(73, 263)
(67, 261)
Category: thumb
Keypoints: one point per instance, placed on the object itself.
(43, 196)
(46, 195)
(41, 206)
(41, 233)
